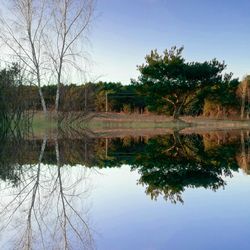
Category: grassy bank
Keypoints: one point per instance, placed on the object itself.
(118, 125)
(117, 120)
(136, 121)
(114, 120)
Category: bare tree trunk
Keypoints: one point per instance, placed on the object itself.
(71, 19)
(85, 98)
(59, 74)
(42, 101)
(243, 100)
(248, 102)
(57, 153)
(243, 151)
(24, 38)
(242, 107)
(57, 98)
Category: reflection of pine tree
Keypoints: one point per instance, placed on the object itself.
(172, 163)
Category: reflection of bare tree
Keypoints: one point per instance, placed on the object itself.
(45, 210)
(243, 157)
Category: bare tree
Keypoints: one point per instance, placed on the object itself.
(70, 22)
(22, 32)
(243, 93)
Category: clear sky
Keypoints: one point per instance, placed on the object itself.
(124, 31)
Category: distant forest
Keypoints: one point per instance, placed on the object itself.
(167, 85)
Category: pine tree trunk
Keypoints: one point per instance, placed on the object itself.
(175, 113)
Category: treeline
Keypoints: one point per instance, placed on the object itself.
(167, 85)
(222, 99)
(90, 97)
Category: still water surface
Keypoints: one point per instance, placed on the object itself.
(169, 191)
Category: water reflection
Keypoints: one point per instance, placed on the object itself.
(45, 185)
(41, 204)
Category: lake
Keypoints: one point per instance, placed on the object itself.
(126, 190)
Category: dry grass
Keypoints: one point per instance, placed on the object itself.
(119, 123)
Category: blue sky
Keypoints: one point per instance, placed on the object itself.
(124, 32)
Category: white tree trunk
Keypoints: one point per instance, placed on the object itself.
(243, 100)
(57, 98)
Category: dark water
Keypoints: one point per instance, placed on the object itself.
(170, 191)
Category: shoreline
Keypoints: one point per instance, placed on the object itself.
(120, 125)
(121, 120)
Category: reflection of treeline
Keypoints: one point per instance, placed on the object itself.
(130, 150)
(167, 164)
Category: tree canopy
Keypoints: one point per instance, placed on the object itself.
(171, 84)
